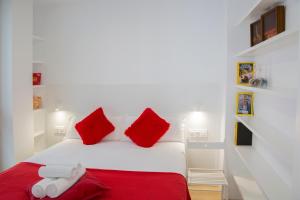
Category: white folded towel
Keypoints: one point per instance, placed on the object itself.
(39, 189)
(60, 185)
(58, 171)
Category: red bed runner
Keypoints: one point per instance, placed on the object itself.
(124, 185)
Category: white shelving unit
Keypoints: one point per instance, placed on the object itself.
(264, 170)
(257, 9)
(264, 174)
(284, 38)
(39, 115)
(211, 177)
(268, 134)
(249, 189)
(274, 181)
(282, 92)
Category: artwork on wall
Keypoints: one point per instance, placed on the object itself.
(244, 104)
(37, 102)
(256, 32)
(245, 72)
(36, 78)
(273, 22)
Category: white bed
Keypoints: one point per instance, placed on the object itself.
(117, 155)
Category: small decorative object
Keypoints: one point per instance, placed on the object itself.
(256, 32)
(245, 72)
(263, 83)
(273, 22)
(244, 104)
(36, 78)
(242, 136)
(37, 102)
(259, 82)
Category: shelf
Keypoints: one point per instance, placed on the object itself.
(263, 172)
(38, 133)
(38, 62)
(268, 134)
(249, 189)
(276, 42)
(260, 7)
(37, 38)
(269, 180)
(205, 145)
(206, 176)
(283, 92)
(38, 86)
(39, 110)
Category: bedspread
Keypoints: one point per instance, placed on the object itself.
(123, 185)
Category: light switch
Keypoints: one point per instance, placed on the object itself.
(60, 131)
(198, 134)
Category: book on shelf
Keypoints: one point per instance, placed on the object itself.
(242, 136)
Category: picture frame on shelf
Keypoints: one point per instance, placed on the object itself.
(245, 71)
(37, 102)
(256, 32)
(244, 104)
(273, 22)
(36, 78)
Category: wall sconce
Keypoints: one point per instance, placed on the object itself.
(196, 126)
(60, 122)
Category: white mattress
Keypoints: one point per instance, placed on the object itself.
(117, 155)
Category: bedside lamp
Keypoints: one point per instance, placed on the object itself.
(60, 121)
(195, 125)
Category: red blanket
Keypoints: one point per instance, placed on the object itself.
(123, 185)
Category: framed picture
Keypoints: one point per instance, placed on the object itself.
(36, 78)
(37, 102)
(242, 135)
(245, 72)
(244, 104)
(256, 32)
(273, 22)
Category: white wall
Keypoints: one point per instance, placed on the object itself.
(296, 166)
(127, 42)
(126, 55)
(296, 174)
(7, 145)
(16, 81)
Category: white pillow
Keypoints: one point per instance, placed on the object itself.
(71, 131)
(73, 134)
(175, 133)
(115, 135)
(127, 121)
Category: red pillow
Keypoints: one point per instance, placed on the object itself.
(87, 188)
(147, 129)
(94, 127)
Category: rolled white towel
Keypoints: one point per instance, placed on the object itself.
(60, 185)
(38, 190)
(58, 171)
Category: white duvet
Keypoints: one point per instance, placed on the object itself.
(117, 155)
